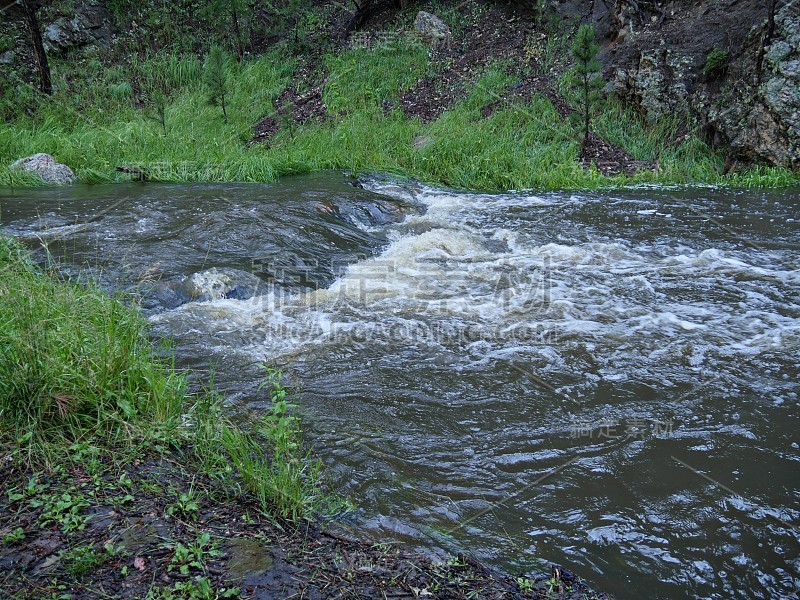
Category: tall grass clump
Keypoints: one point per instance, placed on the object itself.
(266, 457)
(77, 367)
(76, 363)
(362, 79)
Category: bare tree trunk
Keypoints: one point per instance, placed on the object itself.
(237, 34)
(585, 113)
(45, 85)
(362, 10)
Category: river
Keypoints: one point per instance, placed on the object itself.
(608, 381)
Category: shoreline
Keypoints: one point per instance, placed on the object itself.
(772, 179)
(118, 482)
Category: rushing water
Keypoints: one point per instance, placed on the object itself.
(606, 381)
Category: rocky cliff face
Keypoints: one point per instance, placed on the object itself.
(725, 65)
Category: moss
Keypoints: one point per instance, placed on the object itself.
(716, 64)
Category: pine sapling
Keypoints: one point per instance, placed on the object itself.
(215, 76)
(158, 103)
(586, 74)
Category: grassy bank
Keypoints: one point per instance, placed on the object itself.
(77, 371)
(101, 122)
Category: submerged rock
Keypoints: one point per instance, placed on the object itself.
(217, 283)
(46, 167)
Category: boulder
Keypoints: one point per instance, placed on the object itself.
(217, 283)
(658, 56)
(432, 30)
(46, 167)
(758, 113)
(90, 25)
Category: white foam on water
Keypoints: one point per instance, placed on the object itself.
(615, 295)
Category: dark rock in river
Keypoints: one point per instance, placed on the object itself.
(217, 283)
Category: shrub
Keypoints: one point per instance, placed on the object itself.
(716, 64)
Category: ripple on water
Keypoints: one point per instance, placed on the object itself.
(608, 382)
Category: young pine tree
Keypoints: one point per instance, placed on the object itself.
(158, 104)
(586, 74)
(215, 77)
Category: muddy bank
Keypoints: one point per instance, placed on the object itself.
(154, 529)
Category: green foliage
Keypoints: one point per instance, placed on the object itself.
(546, 51)
(158, 104)
(215, 77)
(541, 11)
(269, 462)
(531, 145)
(295, 23)
(363, 79)
(120, 91)
(6, 43)
(166, 71)
(81, 560)
(584, 50)
(199, 588)
(14, 536)
(586, 73)
(185, 505)
(231, 11)
(716, 64)
(193, 556)
(65, 510)
(75, 362)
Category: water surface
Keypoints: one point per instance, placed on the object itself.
(608, 381)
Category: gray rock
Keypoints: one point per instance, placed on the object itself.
(90, 25)
(46, 167)
(762, 122)
(752, 108)
(433, 30)
(658, 82)
(217, 283)
(778, 51)
(7, 57)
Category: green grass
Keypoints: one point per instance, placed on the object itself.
(77, 363)
(80, 381)
(104, 120)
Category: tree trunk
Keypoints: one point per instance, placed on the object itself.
(362, 10)
(45, 85)
(237, 34)
(585, 113)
